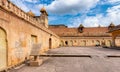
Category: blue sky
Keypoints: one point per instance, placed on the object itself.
(72, 13)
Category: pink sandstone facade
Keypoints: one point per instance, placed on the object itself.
(20, 30)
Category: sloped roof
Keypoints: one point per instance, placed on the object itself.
(87, 31)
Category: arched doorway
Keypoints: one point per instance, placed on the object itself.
(50, 43)
(62, 43)
(3, 49)
(84, 43)
(66, 43)
(70, 43)
(108, 43)
(97, 43)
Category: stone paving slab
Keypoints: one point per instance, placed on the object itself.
(85, 50)
(97, 63)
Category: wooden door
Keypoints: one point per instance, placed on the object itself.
(50, 43)
(3, 49)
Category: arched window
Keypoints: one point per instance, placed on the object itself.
(66, 42)
(97, 43)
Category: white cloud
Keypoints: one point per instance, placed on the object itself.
(20, 4)
(71, 6)
(113, 15)
(74, 7)
(113, 1)
(52, 18)
(27, 7)
(109, 2)
(59, 6)
(32, 1)
(36, 9)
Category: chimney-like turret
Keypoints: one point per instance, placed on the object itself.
(44, 17)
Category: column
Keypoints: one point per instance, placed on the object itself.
(113, 41)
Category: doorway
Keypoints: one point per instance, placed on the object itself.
(3, 49)
(84, 43)
(97, 43)
(66, 43)
(50, 43)
(71, 43)
(108, 43)
(62, 43)
(34, 39)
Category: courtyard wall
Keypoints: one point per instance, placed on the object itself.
(22, 31)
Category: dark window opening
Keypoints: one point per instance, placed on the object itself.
(66, 42)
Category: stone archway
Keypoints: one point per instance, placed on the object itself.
(66, 43)
(70, 43)
(108, 43)
(84, 43)
(3, 49)
(97, 43)
(62, 43)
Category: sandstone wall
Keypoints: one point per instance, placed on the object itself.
(88, 41)
(20, 28)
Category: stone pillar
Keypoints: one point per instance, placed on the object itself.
(113, 41)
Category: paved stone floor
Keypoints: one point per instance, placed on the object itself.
(99, 62)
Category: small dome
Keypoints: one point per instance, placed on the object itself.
(81, 26)
(111, 25)
(31, 13)
(43, 9)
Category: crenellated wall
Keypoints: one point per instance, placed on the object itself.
(22, 31)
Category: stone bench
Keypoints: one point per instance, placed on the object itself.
(35, 52)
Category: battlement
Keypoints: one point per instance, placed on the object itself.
(10, 7)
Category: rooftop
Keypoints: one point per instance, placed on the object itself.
(63, 31)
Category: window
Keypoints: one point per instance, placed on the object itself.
(66, 42)
(33, 39)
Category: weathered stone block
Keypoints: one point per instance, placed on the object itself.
(36, 63)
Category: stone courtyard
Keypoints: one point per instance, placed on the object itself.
(101, 60)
